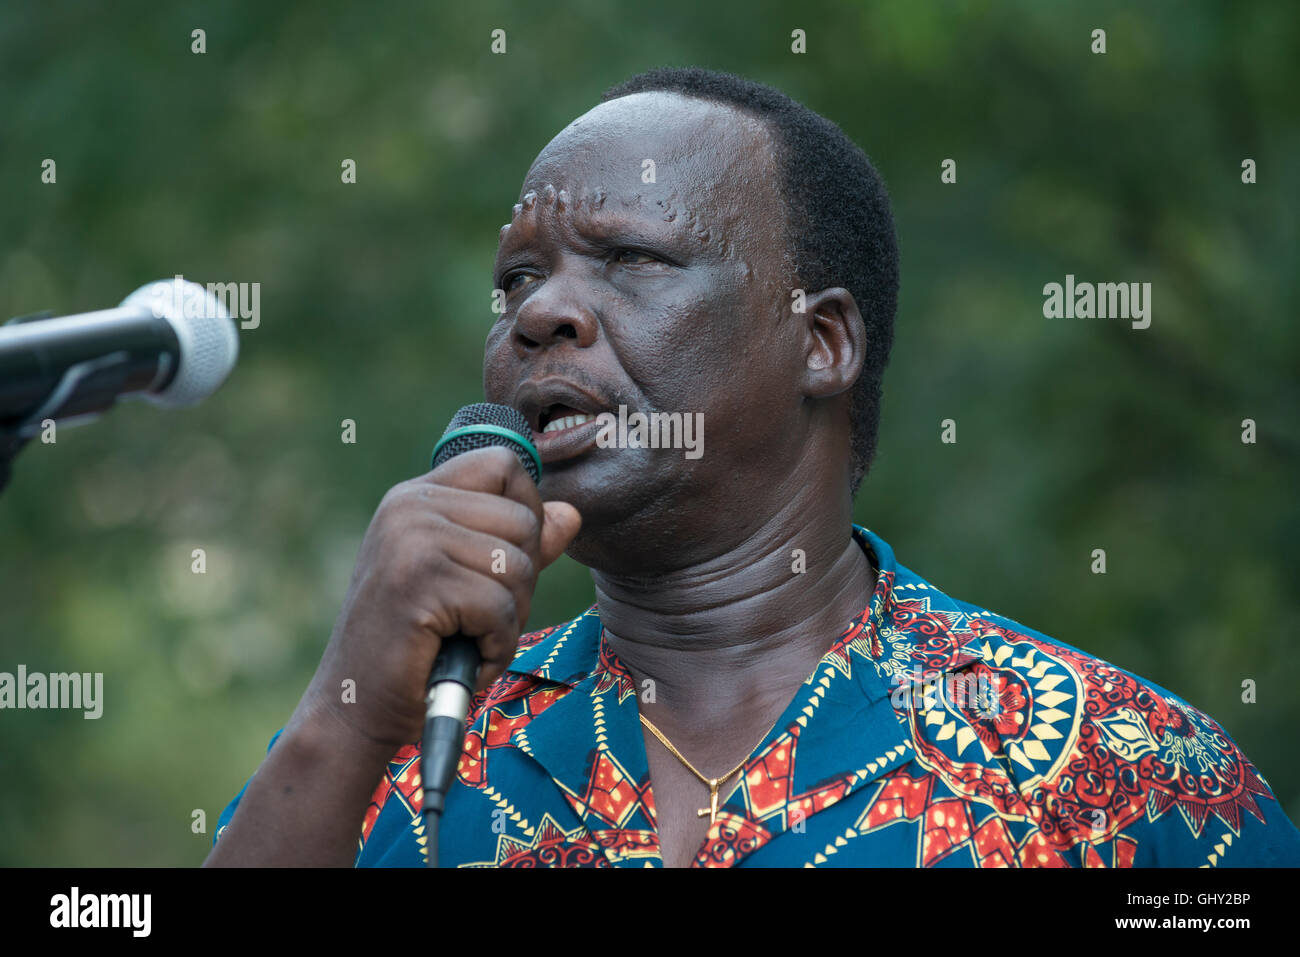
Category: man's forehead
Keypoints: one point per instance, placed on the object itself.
(642, 139)
(702, 167)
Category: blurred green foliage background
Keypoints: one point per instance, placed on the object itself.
(1072, 434)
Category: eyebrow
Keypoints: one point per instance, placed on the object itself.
(649, 232)
(607, 227)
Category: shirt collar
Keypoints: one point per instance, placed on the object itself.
(842, 731)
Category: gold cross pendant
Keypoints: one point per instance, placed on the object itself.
(712, 809)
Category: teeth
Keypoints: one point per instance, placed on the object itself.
(568, 422)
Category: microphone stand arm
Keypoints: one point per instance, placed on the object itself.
(108, 370)
(11, 443)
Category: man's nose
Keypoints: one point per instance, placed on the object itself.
(558, 310)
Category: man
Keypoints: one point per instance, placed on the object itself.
(759, 681)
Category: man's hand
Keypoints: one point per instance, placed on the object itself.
(457, 550)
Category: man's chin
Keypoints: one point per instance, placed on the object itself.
(598, 502)
(594, 482)
(609, 506)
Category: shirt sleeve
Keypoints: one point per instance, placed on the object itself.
(229, 812)
(1275, 843)
(1220, 811)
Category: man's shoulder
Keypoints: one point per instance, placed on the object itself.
(1015, 647)
(947, 631)
(1106, 754)
(1006, 632)
(1091, 690)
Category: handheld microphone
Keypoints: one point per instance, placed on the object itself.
(455, 670)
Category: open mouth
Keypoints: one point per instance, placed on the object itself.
(564, 417)
(561, 418)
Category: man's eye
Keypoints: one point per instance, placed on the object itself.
(633, 256)
(511, 283)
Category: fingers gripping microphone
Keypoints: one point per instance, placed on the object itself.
(455, 670)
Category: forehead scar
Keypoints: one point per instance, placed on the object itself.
(708, 234)
(560, 199)
(669, 209)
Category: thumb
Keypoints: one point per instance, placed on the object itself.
(560, 524)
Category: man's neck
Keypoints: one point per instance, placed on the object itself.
(726, 642)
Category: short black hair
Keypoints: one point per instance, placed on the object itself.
(840, 223)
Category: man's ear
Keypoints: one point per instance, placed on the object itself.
(834, 342)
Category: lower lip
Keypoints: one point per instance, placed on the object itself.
(566, 443)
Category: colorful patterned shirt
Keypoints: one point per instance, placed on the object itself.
(932, 733)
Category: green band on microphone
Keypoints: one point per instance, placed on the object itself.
(486, 429)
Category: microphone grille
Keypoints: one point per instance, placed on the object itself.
(209, 344)
(495, 417)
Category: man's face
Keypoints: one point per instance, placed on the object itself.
(665, 296)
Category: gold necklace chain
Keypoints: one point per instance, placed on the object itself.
(712, 783)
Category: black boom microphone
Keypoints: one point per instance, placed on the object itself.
(170, 342)
(455, 670)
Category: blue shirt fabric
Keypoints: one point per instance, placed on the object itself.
(932, 733)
